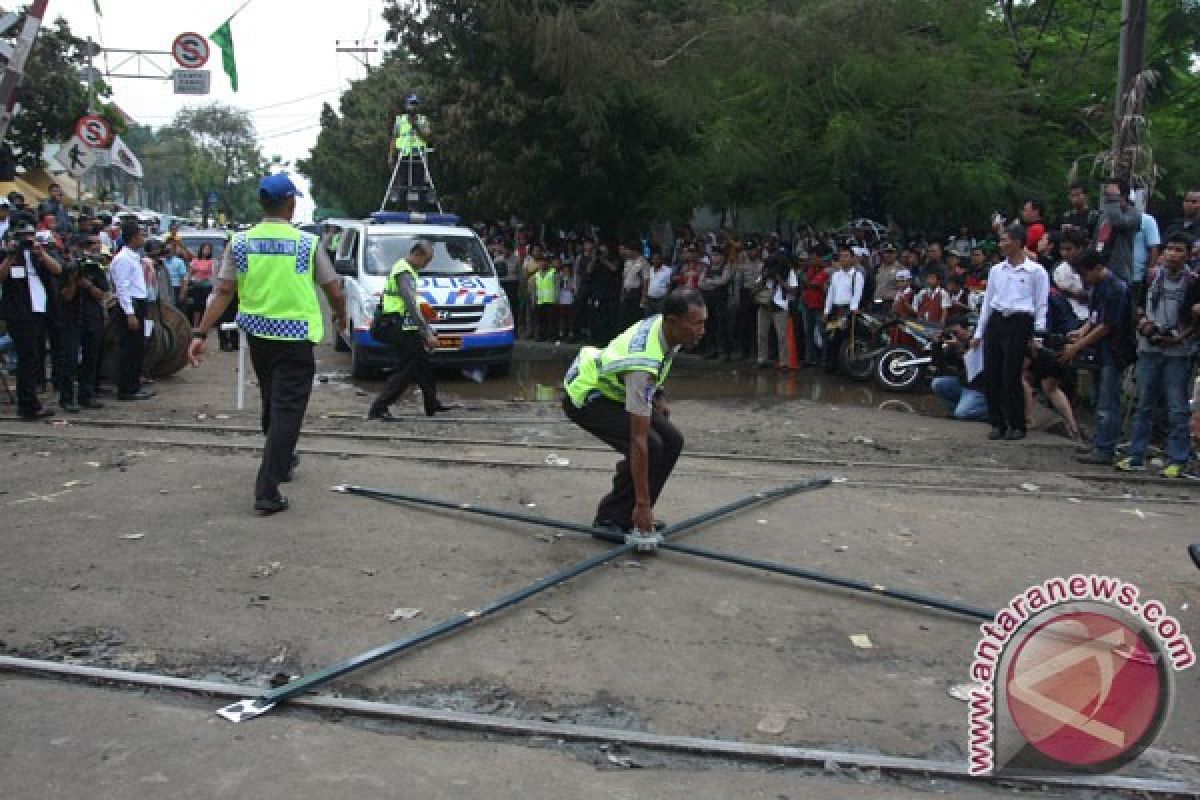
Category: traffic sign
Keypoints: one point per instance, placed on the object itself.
(93, 131)
(190, 50)
(76, 157)
(191, 81)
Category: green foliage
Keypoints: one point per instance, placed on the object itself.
(614, 112)
(349, 165)
(210, 148)
(52, 95)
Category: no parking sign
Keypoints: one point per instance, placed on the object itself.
(190, 50)
(94, 131)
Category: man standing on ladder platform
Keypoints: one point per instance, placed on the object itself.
(616, 395)
(411, 183)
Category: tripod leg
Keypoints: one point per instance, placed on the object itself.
(391, 184)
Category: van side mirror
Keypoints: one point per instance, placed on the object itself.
(345, 266)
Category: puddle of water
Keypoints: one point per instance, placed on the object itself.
(539, 380)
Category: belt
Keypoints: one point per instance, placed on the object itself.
(1010, 314)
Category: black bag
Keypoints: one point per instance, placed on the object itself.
(386, 328)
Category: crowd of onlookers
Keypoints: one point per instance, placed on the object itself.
(1117, 289)
(66, 278)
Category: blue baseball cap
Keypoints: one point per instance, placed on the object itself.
(278, 186)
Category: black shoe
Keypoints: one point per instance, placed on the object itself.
(94, 404)
(36, 415)
(441, 407)
(1015, 434)
(996, 433)
(291, 473)
(1096, 458)
(271, 506)
(1194, 550)
(140, 394)
(69, 406)
(383, 416)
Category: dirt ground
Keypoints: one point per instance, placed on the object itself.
(135, 546)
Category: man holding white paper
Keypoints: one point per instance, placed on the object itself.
(129, 284)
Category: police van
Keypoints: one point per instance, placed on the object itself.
(473, 318)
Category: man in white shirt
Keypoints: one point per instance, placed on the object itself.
(129, 285)
(634, 273)
(842, 301)
(1014, 306)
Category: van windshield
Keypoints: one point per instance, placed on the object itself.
(452, 255)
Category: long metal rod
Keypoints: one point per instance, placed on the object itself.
(480, 723)
(573, 527)
(845, 583)
(248, 709)
(468, 508)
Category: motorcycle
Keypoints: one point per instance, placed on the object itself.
(865, 341)
(901, 365)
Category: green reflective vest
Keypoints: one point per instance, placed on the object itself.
(408, 140)
(597, 373)
(547, 287)
(277, 295)
(393, 301)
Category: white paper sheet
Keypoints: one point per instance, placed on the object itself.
(974, 359)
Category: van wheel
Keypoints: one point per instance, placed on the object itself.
(359, 368)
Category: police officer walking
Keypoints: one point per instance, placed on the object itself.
(274, 269)
(409, 335)
(28, 303)
(616, 395)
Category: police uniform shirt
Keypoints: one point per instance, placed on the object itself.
(323, 274)
(640, 386)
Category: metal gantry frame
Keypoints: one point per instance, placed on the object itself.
(254, 707)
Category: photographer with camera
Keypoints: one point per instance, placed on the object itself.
(1166, 344)
(94, 290)
(964, 399)
(28, 303)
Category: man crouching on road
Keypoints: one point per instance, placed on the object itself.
(616, 395)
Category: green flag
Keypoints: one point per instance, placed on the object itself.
(222, 37)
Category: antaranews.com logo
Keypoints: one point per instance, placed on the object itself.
(1073, 675)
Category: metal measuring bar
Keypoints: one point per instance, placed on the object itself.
(249, 709)
(845, 583)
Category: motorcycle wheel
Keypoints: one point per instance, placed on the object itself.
(894, 378)
(859, 364)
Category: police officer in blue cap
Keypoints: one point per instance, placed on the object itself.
(274, 269)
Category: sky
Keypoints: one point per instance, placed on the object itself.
(287, 61)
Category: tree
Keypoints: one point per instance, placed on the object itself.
(227, 157)
(52, 96)
(348, 166)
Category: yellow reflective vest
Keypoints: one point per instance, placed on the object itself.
(277, 294)
(597, 373)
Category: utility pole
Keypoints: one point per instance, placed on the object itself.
(14, 70)
(1130, 63)
(359, 51)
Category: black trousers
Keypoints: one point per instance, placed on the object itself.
(717, 335)
(605, 321)
(608, 421)
(414, 367)
(132, 349)
(285, 373)
(65, 350)
(1005, 347)
(29, 341)
(91, 343)
(631, 308)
